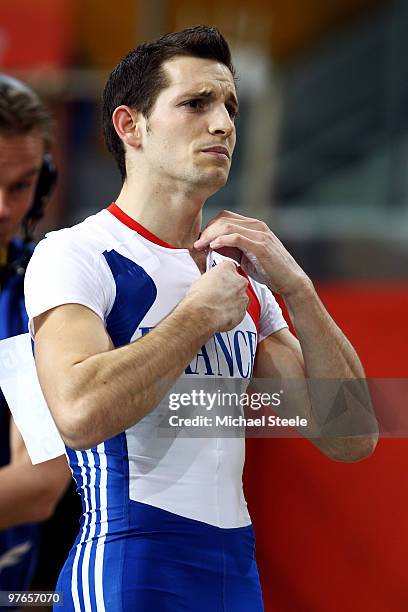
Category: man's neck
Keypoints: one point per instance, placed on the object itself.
(172, 215)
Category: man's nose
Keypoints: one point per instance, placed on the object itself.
(221, 122)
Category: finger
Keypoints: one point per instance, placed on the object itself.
(230, 215)
(229, 265)
(221, 229)
(238, 241)
(216, 225)
(243, 221)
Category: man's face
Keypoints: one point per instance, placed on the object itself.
(20, 164)
(193, 114)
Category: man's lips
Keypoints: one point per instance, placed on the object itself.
(218, 150)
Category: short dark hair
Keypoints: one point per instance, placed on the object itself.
(22, 111)
(139, 78)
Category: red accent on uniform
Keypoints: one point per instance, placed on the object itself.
(254, 307)
(134, 225)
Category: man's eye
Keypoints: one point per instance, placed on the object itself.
(196, 104)
(232, 111)
(21, 186)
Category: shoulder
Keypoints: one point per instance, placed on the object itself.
(69, 261)
(87, 236)
(67, 267)
(90, 239)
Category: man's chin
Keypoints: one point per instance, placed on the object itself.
(215, 180)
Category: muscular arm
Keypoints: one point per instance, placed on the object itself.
(323, 352)
(328, 354)
(29, 493)
(326, 351)
(95, 391)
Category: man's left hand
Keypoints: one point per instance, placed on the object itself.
(259, 252)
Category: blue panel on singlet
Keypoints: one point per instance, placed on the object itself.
(136, 292)
(96, 460)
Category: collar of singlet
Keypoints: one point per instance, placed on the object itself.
(134, 225)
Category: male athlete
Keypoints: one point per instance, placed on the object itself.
(28, 494)
(128, 301)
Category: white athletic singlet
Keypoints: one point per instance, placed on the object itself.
(132, 280)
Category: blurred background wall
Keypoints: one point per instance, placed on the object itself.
(321, 156)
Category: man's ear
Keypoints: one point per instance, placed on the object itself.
(127, 124)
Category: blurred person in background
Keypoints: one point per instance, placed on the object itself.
(126, 302)
(28, 493)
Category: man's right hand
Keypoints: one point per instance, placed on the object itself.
(221, 295)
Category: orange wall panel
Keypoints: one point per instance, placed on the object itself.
(106, 31)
